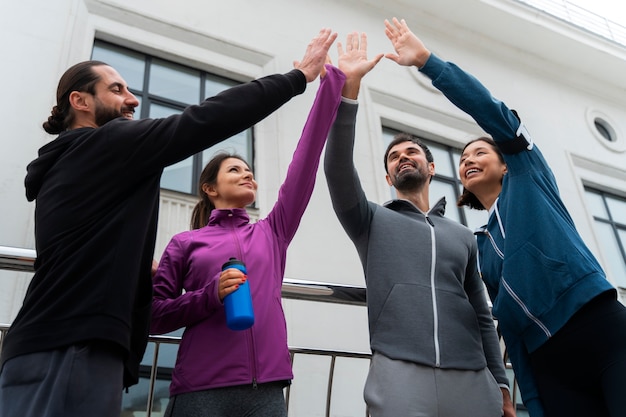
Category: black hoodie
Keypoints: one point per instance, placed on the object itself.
(97, 197)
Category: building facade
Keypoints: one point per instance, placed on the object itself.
(567, 83)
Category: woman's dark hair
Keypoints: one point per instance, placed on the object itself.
(202, 211)
(79, 77)
(407, 137)
(468, 198)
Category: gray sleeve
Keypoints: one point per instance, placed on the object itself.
(347, 195)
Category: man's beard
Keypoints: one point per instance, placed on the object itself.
(105, 115)
(411, 180)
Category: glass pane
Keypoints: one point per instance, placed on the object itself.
(138, 109)
(456, 157)
(160, 110)
(175, 177)
(442, 160)
(617, 208)
(616, 265)
(161, 397)
(440, 189)
(129, 64)
(214, 85)
(388, 135)
(136, 399)
(240, 144)
(347, 389)
(307, 396)
(596, 205)
(174, 82)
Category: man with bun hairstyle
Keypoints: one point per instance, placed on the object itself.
(82, 330)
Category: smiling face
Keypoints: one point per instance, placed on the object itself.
(112, 98)
(481, 168)
(408, 167)
(235, 186)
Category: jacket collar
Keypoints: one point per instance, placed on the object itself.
(401, 205)
(234, 217)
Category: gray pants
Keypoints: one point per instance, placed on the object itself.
(398, 388)
(76, 381)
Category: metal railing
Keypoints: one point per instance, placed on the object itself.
(22, 260)
(581, 17)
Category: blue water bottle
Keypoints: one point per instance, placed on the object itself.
(238, 304)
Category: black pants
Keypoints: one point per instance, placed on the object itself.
(581, 370)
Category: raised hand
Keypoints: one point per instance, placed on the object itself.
(409, 48)
(354, 64)
(316, 54)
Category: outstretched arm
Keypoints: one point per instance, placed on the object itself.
(461, 88)
(348, 198)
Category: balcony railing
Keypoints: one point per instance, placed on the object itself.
(22, 260)
(581, 17)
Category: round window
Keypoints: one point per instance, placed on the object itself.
(605, 130)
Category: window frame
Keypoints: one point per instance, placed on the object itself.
(148, 99)
(609, 220)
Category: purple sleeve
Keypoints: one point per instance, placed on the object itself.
(296, 190)
(171, 308)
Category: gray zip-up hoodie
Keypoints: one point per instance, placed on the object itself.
(426, 302)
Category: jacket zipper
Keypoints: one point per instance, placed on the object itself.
(523, 307)
(433, 257)
(512, 293)
(253, 358)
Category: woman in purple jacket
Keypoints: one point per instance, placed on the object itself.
(223, 372)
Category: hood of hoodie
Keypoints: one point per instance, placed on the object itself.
(49, 154)
(400, 204)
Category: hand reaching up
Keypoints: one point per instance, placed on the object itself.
(316, 54)
(354, 64)
(409, 48)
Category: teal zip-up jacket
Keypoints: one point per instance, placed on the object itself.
(542, 272)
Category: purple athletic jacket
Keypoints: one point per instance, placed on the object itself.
(185, 285)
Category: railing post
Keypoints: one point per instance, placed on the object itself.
(153, 372)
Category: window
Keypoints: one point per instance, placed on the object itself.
(604, 129)
(609, 214)
(164, 88)
(446, 182)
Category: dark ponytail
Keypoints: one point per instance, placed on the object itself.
(79, 77)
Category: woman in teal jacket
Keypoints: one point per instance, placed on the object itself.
(558, 314)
